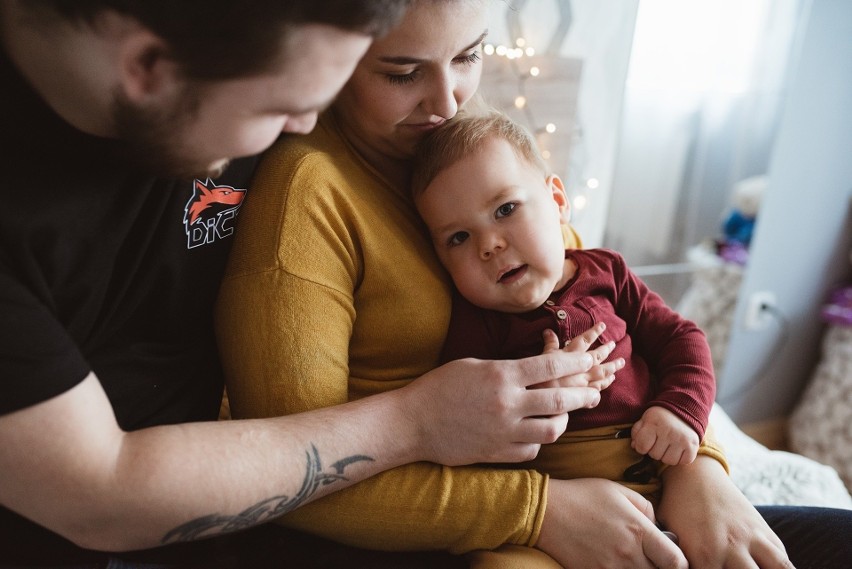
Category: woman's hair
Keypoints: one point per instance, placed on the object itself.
(462, 135)
(222, 39)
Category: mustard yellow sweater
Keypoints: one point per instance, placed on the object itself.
(334, 293)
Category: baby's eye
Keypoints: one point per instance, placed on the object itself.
(505, 209)
(458, 238)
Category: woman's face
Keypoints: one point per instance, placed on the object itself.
(415, 78)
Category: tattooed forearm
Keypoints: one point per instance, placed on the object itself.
(208, 526)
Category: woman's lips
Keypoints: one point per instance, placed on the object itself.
(426, 126)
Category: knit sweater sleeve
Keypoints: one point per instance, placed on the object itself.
(675, 349)
(298, 331)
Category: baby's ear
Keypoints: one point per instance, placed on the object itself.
(557, 191)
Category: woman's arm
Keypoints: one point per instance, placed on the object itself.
(332, 294)
(716, 525)
(481, 412)
(592, 523)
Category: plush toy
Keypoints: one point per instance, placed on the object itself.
(738, 225)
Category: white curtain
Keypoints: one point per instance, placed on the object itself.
(703, 94)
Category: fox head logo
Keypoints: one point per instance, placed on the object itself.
(210, 211)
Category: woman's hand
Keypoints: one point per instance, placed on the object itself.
(596, 523)
(472, 410)
(716, 525)
(600, 375)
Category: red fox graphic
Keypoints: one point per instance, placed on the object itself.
(203, 220)
(205, 197)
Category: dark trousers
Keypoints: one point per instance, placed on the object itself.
(815, 538)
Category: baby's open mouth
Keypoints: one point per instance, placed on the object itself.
(512, 274)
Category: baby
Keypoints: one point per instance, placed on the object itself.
(498, 220)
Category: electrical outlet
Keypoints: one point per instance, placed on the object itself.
(759, 310)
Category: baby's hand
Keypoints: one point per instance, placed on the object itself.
(601, 374)
(663, 436)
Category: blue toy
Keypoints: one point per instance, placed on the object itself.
(738, 225)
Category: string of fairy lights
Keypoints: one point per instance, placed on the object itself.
(519, 51)
(518, 57)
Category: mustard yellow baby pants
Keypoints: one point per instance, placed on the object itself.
(591, 453)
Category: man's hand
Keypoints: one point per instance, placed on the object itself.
(484, 411)
(663, 436)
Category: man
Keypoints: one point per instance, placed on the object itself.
(118, 210)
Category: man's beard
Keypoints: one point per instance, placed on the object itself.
(149, 136)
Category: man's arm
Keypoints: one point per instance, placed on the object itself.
(66, 464)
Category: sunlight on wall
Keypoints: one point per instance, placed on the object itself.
(597, 36)
(696, 46)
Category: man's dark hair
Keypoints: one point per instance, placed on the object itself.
(219, 39)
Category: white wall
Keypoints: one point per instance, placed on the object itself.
(802, 242)
(600, 36)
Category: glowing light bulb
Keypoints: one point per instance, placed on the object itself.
(580, 202)
(520, 42)
(530, 51)
(534, 71)
(545, 154)
(550, 127)
(488, 49)
(593, 183)
(500, 50)
(520, 102)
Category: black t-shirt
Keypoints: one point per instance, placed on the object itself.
(104, 268)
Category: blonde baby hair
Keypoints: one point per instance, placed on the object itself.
(464, 134)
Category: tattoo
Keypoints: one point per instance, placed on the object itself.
(208, 526)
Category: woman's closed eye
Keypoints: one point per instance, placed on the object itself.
(468, 58)
(402, 78)
(406, 78)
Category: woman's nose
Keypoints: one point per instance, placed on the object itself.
(441, 99)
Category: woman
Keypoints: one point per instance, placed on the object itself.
(334, 293)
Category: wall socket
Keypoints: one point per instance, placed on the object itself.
(759, 310)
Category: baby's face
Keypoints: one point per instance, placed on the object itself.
(495, 222)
